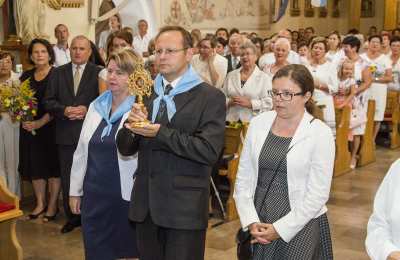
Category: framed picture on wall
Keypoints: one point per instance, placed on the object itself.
(367, 8)
(294, 8)
(323, 12)
(308, 9)
(336, 8)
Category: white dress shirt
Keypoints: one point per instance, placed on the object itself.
(202, 68)
(256, 88)
(309, 173)
(140, 44)
(383, 231)
(62, 55)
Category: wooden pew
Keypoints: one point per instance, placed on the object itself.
(342, 156)
(392, 116)
(367, 147)
(232, 146)
(10, 249)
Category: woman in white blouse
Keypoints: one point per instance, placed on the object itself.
(335, 54)
(281, 53)
(325, 80)
(381, 68)
(383, 231)
(395, 57)
(285, 173)
(246, 88)
(9, 129)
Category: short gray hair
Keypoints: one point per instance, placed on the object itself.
(248, 45)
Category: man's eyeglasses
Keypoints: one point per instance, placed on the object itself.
(285, 96)
(168, 51)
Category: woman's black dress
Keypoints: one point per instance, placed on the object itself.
(38, 157)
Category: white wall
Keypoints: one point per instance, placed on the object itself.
(75, 18)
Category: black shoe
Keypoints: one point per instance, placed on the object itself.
(69, 227)
(35, 216)
(50, 218)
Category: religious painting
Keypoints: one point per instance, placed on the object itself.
(308, 9)
(294, 8)
(336, 8)
(210, 14)
(367, 8)
(323, 12)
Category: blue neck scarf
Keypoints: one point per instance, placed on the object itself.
(189, 80)
(103, 104)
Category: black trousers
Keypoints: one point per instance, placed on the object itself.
(66, 153)
(159, 243)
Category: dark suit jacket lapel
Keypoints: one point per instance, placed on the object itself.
(70, 78)
(182, 99)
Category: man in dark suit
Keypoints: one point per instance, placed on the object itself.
(176, 153)
(235, 40)
(72, 88)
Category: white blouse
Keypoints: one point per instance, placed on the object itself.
(256, 88)
(202, 68)
(383, 231)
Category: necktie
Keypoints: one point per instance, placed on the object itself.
(235, 62)
(161, 115)
(77, 78)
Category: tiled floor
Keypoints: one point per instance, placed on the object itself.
(349, 209)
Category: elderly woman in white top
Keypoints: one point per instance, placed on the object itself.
(325, 80)
(9, 129)
(281, 53)
(246, 88)
(285, 174)
(395, 57)
(101, 178)
(210, 66)
(383, 231)
(381, 68)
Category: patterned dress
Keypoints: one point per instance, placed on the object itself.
(313, 241)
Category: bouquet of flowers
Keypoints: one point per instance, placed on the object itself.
(19, 102)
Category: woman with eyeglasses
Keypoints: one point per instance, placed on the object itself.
(285, 174)
(210, 66)
(246, 88)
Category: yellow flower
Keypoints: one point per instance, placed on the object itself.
(25, 107)
(34, 112)
(18, 118)
(7, 102)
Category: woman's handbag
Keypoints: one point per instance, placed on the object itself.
(244, 246)
(244, 250)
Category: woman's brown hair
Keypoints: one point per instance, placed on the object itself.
(302, 77)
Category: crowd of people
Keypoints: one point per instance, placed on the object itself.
(91, 142)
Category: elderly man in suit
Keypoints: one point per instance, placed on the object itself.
(176, 153)
(72, 88)
(235, 41)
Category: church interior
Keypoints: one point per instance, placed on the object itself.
(356, 177)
